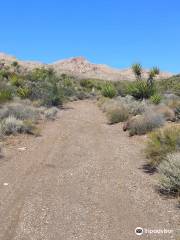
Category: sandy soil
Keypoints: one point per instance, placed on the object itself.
(82, 179)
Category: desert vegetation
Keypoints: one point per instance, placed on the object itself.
(144, 106)
(27, 97)
(150, 107)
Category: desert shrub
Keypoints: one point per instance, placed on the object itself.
(156, 99)
(12, 125)
(51, 113)
(23, 92)
(30, 128)
(45, 86)
(16, 80)
(170, 96)
(101, 101)
(134, 107)
(117, 114)
(121, 87)
(87, 83)
(145, 123)
(41, 74)
(81, 95)
(108, 104)
(173, 102)
(162, 142)
(140, 89)
(170, 85)
(170, 174)
(5, 95)
(19, 111)
(165, 111)
(109, 90)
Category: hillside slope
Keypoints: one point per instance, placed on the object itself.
(82, 68)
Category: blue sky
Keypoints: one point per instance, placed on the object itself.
(114, 32)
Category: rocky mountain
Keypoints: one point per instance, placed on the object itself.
(81, 68)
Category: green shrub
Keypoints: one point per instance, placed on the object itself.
(142, 124)
(161, 143)
(117, 114)
(121, 87)
(109, 90)
(16, 80)
(140, 89)
(30, 128)
(156, 99)
(23, 92)
(41, 74)
(5, 95)
(170, 85)
(170, 174)
(87, 83)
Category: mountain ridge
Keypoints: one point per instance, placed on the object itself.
(80, 67)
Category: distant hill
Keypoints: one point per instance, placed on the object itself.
(82, 68)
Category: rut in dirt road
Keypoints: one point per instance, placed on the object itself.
(80, 180)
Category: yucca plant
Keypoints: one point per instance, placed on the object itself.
(109, 90)
(156, 99)
(140, 89)
(137, 70)
(152, 74)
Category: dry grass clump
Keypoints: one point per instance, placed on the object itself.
(161, 143)
(51, 113)
(165, 111)
(141, 124)
(18, 117)
(170, 174)
(115, 110)
(12, 125)
(107, 104)
(19, 111)
(134, 107)
(117, 114)
(173, 102)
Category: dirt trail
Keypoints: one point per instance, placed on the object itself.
(82, 179)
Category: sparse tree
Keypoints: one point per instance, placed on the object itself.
(137, 70)
(152, 74)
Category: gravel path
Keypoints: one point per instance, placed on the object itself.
(82, 179)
